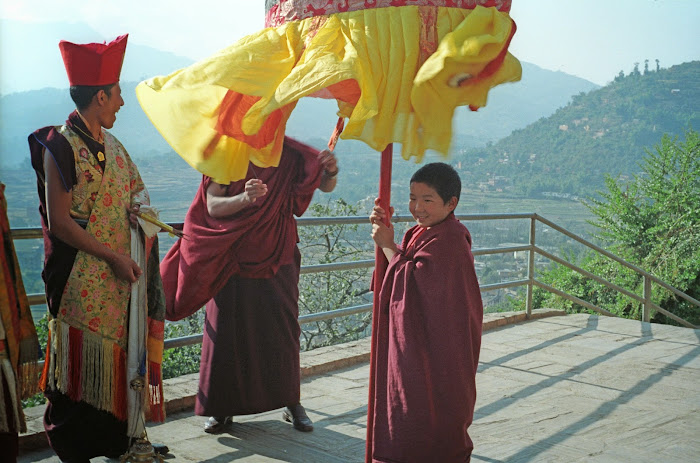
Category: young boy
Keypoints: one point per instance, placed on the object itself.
(428, 332)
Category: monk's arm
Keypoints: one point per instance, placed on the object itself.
(62, 225)
(382, 234)
(220, 205)
(390, 251)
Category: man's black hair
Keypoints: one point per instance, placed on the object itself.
(82, 94)
(442, 178)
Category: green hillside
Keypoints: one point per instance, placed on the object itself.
(604, 131)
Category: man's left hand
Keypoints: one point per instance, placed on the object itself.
(133, 218)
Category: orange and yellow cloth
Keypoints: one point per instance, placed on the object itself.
(19, 346)
(396, 72)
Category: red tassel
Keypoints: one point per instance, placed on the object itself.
(74, 388)
(336, 133)
(155, 393)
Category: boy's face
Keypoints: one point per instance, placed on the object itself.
(426, 205)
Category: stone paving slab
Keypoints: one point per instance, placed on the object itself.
(579, 388)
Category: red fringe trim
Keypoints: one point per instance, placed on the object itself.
(119, 403)
(43, 381)
(155, 393)
(74, 388)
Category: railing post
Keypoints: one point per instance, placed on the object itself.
(646, 306)
(530, 268)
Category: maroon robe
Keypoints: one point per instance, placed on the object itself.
(245, 267)
(253, 243)
(250, 350)
(428, 339)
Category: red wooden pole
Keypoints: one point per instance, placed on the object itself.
(380, 265)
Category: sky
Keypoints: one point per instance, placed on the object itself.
(592, 39)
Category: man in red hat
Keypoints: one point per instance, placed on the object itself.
(89, 190)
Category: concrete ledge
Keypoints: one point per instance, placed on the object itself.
(180, 392)
(495, 320)
(325, 359)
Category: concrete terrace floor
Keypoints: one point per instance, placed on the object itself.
(574, 388)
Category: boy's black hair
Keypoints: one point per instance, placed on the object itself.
(442, 178)
(82, 94)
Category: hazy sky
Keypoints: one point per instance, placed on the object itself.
(593, 39)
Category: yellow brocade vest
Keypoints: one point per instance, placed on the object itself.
(87, 352)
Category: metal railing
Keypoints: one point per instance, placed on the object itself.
(530, 282)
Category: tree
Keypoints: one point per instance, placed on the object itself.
(320, 292)
(183, 360)
(635, 70)
(652, 221)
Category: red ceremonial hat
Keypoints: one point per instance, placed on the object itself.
(94, 63)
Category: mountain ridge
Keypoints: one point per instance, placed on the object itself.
(510, 107)
(605, 131)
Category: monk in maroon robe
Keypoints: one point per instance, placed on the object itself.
(428, 332)
(241, 260)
